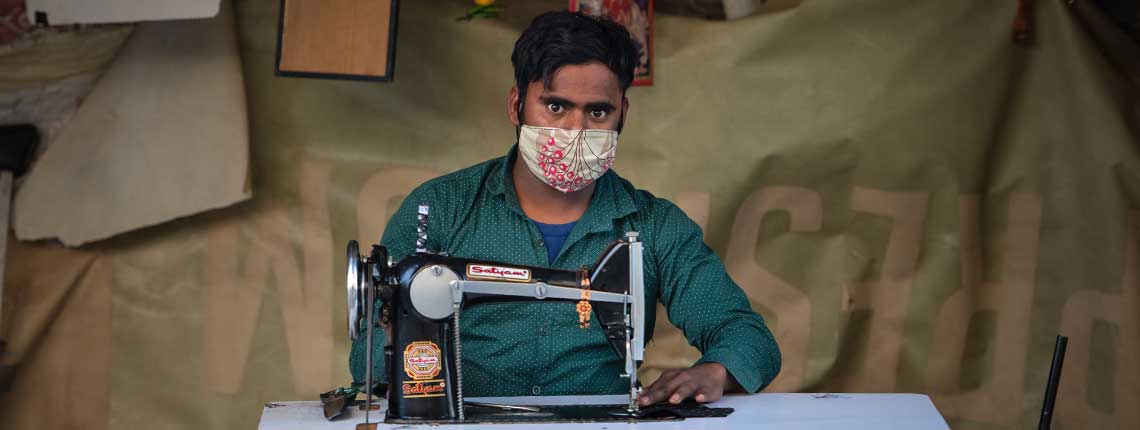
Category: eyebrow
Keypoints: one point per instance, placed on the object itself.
(606, 106)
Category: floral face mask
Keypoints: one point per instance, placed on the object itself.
(567, 160)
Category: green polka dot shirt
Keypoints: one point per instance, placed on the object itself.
(537, 348)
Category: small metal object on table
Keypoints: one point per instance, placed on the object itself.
(777, 411)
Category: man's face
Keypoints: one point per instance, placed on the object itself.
(582, 96)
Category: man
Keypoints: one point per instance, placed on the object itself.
(553, 201)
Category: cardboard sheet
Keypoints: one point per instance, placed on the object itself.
(150, 143)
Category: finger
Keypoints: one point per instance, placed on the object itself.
(646, 398)
(708, 393)
(671, 386)
(665, 385)
(683, 391)
(652, 393)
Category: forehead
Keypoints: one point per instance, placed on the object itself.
(592, 81)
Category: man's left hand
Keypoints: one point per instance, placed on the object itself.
(705, 382)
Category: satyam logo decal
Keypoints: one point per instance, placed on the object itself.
(422, 360)
(498, 273)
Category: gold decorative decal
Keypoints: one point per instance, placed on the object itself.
(422, 360)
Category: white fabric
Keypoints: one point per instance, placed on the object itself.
(779, 411)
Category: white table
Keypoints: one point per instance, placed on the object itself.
(760, 411)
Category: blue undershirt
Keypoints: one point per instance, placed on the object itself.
(554, 236)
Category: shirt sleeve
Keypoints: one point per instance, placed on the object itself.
(709, 308)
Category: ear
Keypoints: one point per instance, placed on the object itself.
(513, 105)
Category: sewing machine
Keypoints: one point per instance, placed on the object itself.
(423, 295)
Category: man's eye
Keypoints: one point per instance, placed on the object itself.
(554, 107)
(598, 113)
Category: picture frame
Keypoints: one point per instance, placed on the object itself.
(637, 17)
(337, 39)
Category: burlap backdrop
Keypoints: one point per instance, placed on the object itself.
(913, 203)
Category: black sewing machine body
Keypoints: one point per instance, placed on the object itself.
(421, 303)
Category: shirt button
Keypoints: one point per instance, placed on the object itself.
(536, 390)
(542, 331)
(538, 242)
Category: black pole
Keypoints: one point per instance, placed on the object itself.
(1054, 381)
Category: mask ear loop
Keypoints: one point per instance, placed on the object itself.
(621, 121)
(519, 115)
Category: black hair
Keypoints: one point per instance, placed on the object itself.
(556, 39)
